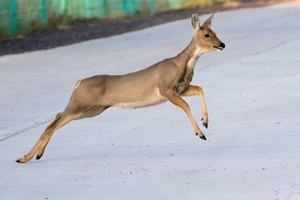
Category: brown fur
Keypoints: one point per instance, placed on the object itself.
(166, 80)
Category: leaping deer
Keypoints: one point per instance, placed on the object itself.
(166, 80)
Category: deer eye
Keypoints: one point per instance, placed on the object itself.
(206, 35)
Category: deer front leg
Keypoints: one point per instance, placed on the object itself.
(193, 90)
(174, 98)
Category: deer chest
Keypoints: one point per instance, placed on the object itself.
(182, 85)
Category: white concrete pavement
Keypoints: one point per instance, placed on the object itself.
(252, 92)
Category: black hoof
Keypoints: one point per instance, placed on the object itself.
(203, 137)
(38, 157)
(205, 125)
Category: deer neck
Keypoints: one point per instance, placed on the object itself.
(189, 56)
(186, 62)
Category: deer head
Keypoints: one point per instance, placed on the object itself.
(204, 36)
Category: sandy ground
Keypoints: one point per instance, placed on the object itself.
(253, 104)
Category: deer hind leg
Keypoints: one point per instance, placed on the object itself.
(174, 98)
(47, 138)
(92, 112)
(60, 120)
(193, 90)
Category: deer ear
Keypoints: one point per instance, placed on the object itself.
(207, 23)
(195, 21)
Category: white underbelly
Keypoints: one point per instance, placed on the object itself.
(150, 99)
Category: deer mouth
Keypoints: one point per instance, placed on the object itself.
(219, 48)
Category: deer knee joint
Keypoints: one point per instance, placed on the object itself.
(200, 90)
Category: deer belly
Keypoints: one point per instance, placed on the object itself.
(142, 100)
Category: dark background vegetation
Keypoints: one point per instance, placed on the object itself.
(77, 31)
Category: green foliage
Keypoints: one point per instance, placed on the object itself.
(34, 15)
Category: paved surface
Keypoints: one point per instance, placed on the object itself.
(253, 103)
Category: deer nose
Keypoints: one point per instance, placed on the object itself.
(222, 45)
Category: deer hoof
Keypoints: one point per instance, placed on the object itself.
(204, 122)
(22, 160)
(203, 137)
(38, 157)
